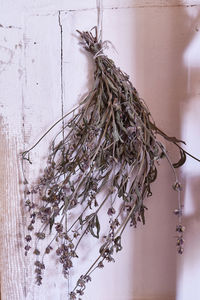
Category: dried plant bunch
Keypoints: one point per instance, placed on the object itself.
(110, 144)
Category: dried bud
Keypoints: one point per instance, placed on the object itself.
(68, 264)
(38, 271)
(36, 252)
(59, 227)
(180, 228)
(38, 279)
(76, 234)
(33, 215)
(27, 247)
(149, 194)
(72, 296)
(71, 245)
(180, 250)
(73, 254)
(40, 235)
(178, 212)
(100, 265)
(96, 203)
(111, 211)
(114, 224)
(48, 249)
(180, 241)
(177, 186)
(58, 251)
(30, 227)
(28, 238)
(87, 278)
(39, 264)
(28, 202)
(80, 292)
(42, 266)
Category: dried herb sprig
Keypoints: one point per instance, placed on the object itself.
(110, 144)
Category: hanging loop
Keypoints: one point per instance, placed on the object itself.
(99, 5)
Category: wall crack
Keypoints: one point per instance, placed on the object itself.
(61, 62)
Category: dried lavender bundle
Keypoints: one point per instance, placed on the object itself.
(110, 141)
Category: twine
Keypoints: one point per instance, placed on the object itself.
(99, 5)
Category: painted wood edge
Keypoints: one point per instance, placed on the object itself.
(47, 6)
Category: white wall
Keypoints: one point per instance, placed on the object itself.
(157, 44)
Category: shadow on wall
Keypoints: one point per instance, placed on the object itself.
(162, 36)
(189, 267)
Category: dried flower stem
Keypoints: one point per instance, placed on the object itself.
(110, 143)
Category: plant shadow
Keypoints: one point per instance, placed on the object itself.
(162, 35)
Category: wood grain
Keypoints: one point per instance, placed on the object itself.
(13, 280)
(13, 265)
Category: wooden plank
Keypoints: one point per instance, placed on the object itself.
(42, 107)
(13, 266)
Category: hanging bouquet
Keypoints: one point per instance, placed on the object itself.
(110, 144)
